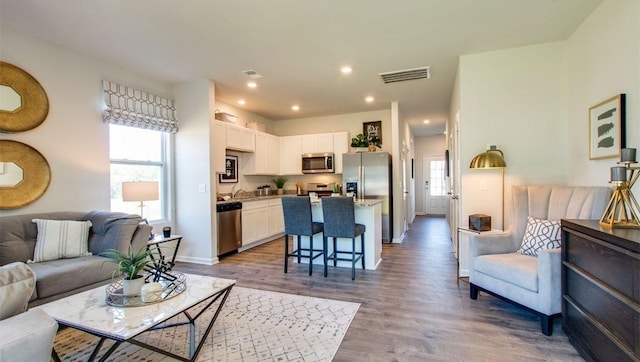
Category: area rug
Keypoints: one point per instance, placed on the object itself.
(253, 325)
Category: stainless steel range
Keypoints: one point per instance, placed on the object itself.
(321, 189)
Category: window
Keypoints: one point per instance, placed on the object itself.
(138, 155)
(437, 178)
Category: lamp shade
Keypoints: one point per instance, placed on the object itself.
(140, 191)
(493, 158)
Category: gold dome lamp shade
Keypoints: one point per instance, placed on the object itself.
(491, 159)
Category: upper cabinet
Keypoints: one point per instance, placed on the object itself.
(317, 143)
(219, 146)
(240, 138)
(291, 155)
(266, 158)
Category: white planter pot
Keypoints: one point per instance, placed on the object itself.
(132, 287)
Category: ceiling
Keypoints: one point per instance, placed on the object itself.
(300, 46)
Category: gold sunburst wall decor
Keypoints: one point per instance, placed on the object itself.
(24, 174)
(25, 104)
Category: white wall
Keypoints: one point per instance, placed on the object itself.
(425, 146)
(195, 210)
(603, 61)
(73, 138)
(515, 99)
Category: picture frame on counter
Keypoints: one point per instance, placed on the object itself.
(230, 174)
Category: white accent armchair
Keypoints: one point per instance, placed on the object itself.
(528, 281)
(24, 335)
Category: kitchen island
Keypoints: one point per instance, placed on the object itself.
(367, 212)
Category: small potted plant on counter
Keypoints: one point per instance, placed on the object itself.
(280, 181)
(130, 264)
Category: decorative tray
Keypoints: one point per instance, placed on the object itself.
(173, 283)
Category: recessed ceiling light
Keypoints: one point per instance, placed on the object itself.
(242, 102)
(346, 69)
(369, 99)
(295, 108)
(426, 121)
(252, 84)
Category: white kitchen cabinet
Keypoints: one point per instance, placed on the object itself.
(240, 138)
(291, 155)
(255, 221)
(317, 143)
(266, 158)
(340, 146)
(219, 147)
(276, 217)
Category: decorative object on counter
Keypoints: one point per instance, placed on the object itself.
(171, 285)
(480, 222)
(607, 128)
(623, 210)
(140, 191)
(24, 104)
(130, 264)
(166, 231)
(299, 187)
(280, 181)
(264, 190)
(230, 174)
(337, 189)
(25, 174)
(225, 117)
(491, 159)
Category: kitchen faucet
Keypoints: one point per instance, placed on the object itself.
(234, 192)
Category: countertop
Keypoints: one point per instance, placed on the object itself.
(360, 203)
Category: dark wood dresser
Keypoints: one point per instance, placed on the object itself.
(601, 290)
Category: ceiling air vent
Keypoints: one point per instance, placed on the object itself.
(252, 74)
(404, 75)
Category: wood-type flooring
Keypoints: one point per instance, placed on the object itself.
(413, 307)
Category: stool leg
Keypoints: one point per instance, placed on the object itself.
(299, 249)
(286, 251)
(362, 248)
(353, 258)
(310, 254)
(324, 254)
(335, 253)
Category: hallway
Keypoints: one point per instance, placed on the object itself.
(413, 306)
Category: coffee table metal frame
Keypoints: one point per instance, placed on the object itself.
(191, 319)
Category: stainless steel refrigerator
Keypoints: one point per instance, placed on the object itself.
(368, 176)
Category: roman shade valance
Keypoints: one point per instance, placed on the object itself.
(131, 107)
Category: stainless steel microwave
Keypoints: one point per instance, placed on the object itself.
(318, 163)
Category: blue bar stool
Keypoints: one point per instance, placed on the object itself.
(339, 222)
(297, 221)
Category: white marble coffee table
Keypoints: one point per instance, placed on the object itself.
(89, 312)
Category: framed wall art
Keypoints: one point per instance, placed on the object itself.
(372, 131)
(230, 174)
(607, 128)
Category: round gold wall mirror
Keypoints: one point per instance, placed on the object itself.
(24, 174)
(23, 102)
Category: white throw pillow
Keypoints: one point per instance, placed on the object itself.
(61, 239)
(540, 235)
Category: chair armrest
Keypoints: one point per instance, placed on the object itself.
(550, 280)
(27, 336)
(491, 243)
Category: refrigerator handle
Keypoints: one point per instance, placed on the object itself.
(361, 181)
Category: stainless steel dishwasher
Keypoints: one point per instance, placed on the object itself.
(229, 218)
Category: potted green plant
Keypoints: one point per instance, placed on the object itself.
(359, 141)
(130, 264)
(280, 181)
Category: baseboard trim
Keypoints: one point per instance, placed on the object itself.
(204, 261)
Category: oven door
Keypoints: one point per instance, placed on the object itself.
(317, 163)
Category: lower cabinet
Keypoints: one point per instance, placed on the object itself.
(261, 221)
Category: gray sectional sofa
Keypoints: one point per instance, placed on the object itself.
(58, 278)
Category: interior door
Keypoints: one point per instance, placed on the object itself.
(454, 182)
(435, 189)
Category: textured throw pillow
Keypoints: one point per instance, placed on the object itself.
(540, 235)
(61, 239)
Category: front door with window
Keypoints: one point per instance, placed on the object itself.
(435, 188)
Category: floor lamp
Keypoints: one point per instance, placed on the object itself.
(490, 159)
(140, 191)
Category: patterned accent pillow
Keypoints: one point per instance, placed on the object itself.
(61, 239)
(540, 235)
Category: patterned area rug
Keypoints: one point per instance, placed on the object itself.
(253, 325)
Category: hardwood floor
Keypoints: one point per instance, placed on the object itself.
(413, 308)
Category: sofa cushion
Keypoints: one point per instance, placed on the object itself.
(61, 239)
(63, 275)
(111, 230)
(540, 235)
(17, 282)
(517, 269)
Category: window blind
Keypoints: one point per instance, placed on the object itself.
(131, 107)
